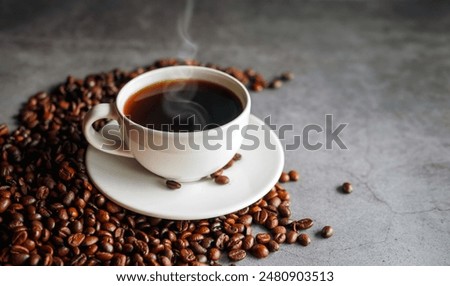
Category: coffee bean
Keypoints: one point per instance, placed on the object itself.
(222, 180)
(4, 130)
(276, 83)
(284, 211)
(257, 87)
(302, 224)
(279, 229)
(273, 246)
(107, 247)
(287, 76)
(294, 175)
(260, 251)
(304, 239)
(261, 216)
(284, 177)
(246, 219)
(291, 236)
(187, 255)
(102, 216)
(214, 254)
(66, 172)
(29, 244)
(275, 202)
(104, 256)
(173, 185)
(237, 157)
(271, 222)
(197, 248)
(235, 242)
(347, 187)
(76, 239)
(19, 237)
(327, 231)
(237, 254)
(263, 238)
(4, 204)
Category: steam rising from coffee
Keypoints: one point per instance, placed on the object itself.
(189, 48)
(178, 102)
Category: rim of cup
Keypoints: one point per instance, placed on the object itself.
(246, 101)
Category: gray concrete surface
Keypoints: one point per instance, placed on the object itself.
(383, 67)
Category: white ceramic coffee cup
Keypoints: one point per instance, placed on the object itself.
(196, 159)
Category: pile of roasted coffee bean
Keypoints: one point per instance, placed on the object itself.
(51, 214)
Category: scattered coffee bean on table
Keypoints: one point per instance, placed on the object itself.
(222, 180)
(287, 76)
(347, 187)
(173, 185)
(284, 177)
(294, 175)
(52, 214)
(327, 231)
(304, 239)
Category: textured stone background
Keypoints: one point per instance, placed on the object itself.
(383, 67)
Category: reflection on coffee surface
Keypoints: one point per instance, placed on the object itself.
(183, 105)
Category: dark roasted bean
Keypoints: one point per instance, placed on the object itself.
(222, 180)
(91, 249)
(235, 242)
(248, 242)
(214, 254)
(261, 216)
(187, 255)
(263, 238)
(276, 83)
(4, 204)
(237, 254)
(76, 239)
(284, 177)
(246, 219)
(302, 224)
(273, 246)
(294, 175)
(173, 185)
(287, 76)
(279, 229)
(271, 222)
(279, 237)
(291, 236)
(66, 172)
(304, 239)
(19, 237)
(347, 187)
(104, 256)
(327, 231)
(284, 211)
(260, 251)
(119, 259)
(102, 216)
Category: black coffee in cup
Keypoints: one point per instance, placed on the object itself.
(183, 105)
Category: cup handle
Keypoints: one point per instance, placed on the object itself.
(102, 111)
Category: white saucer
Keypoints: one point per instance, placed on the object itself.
(128, 184)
